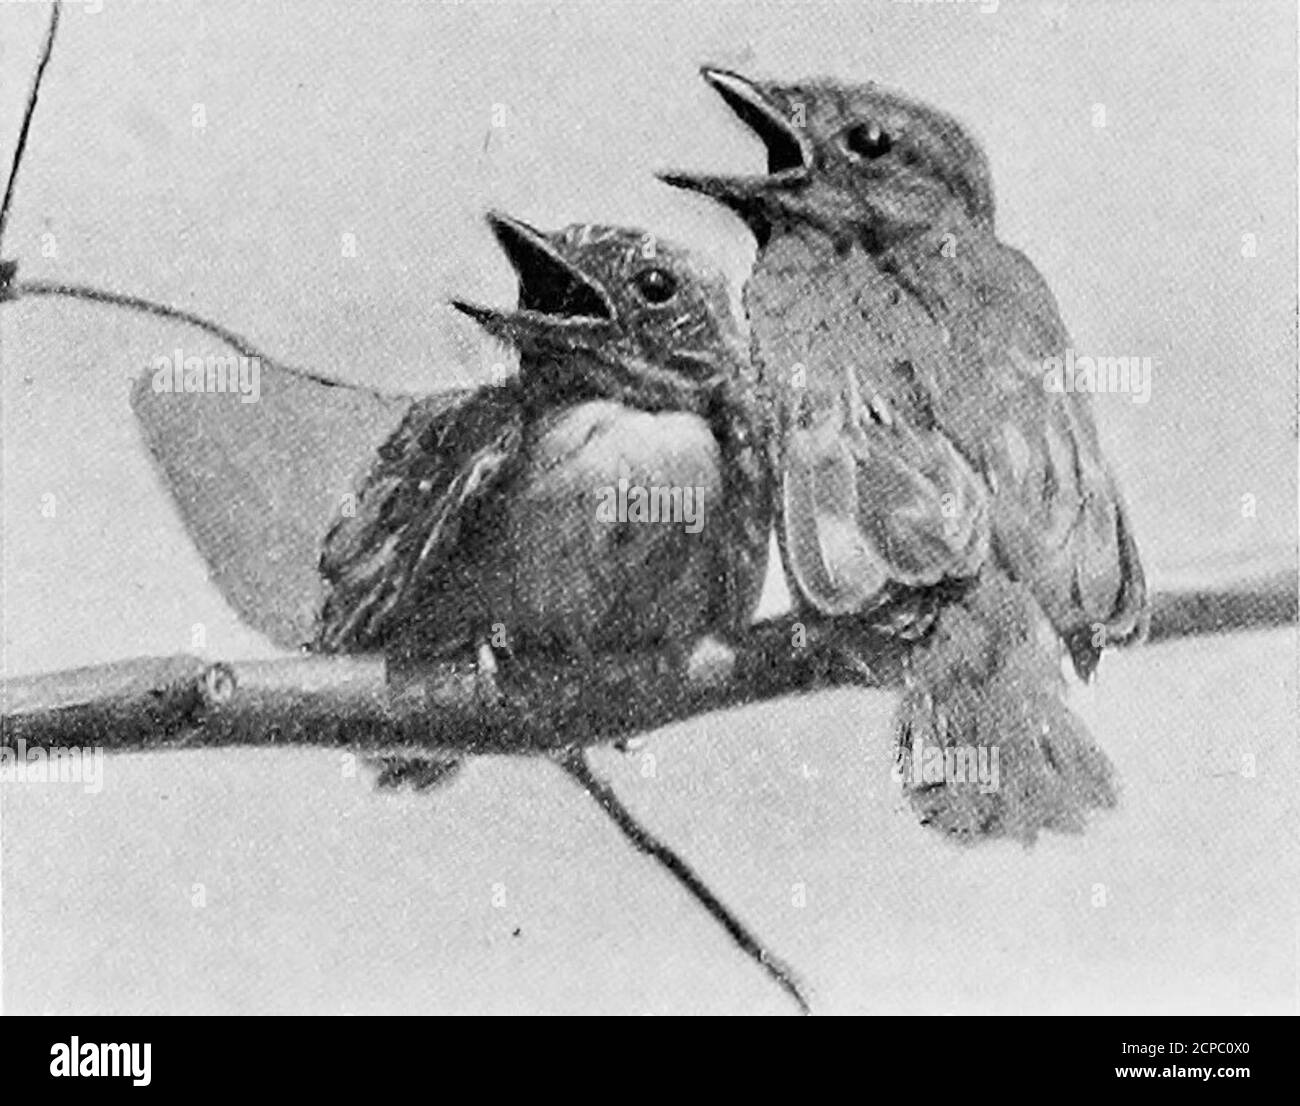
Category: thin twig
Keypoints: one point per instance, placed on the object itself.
(30, 110)
(574, 762)
(87, 293)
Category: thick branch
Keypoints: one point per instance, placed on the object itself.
(362, 702)
(1263, 593)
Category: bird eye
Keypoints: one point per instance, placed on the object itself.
(868, 140)
(655, 285)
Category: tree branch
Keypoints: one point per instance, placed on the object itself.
(362, 702)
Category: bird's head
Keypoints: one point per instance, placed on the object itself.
(614, 312)
(847, 157)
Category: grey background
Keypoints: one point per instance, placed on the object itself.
(325, 119)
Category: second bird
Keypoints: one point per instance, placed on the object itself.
(928, 482)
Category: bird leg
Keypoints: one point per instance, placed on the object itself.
(423, 769)
(486, 685)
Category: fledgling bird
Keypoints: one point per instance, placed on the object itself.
(478, 525)
(483, 526)
(488, 526)
(927, 481)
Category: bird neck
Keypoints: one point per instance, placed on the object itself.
(880, 235)
(551, 380)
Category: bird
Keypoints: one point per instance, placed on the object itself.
(927, 481)
(489, 526)
(486, 522)
(413, 525)
(479, 522)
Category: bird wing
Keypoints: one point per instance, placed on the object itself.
(1059, 522)
(745, 503)
(872, 493)
(447, 456)
(912, 387)
(870, 500)
(257, 484)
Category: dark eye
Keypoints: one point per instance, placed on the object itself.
(868, 140)
(655, 285)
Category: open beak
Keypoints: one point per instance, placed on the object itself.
(789, 155)
(560, 305)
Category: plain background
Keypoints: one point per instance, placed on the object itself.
(325, 119)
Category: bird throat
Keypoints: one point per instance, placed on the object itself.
(617, 376)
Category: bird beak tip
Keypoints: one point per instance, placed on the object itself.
(719, 76)
(473, 310)
(740, 193)
(703, 183)
(511, 233)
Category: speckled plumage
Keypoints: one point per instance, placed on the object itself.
(478, 521)
(898, 350)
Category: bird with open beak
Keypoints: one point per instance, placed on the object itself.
(482, 524)
(488, 526)
(926, 478)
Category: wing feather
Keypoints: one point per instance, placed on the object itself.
(445, 460)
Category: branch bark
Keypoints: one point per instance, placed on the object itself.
(364, 703)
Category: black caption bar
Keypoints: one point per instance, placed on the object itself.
(144, 1056)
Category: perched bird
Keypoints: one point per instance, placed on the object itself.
(607, 498)
(427, 527)
(927, 480)
(504, 524)
(481, 523)
(477, 528)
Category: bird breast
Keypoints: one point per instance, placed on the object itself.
(609, 528)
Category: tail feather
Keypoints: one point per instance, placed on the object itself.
(985, 692)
